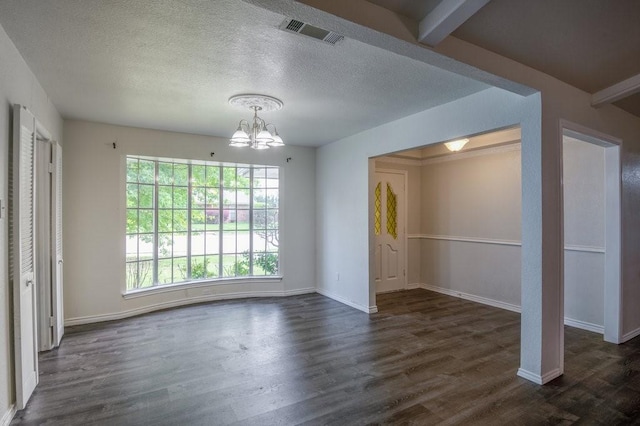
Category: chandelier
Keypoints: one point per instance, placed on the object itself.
(256, 133)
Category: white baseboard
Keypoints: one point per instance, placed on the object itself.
(368, 310)
(8, 416)
(411, 286)
(630, 335)
(472, 297)
(189, 301)
(538, 379)
(583, 325)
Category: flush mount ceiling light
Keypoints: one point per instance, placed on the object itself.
(255, 134)
(456, 145)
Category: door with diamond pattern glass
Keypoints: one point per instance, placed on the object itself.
(389, 230)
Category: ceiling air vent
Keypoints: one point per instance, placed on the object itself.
(298, 27)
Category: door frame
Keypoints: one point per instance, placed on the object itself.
(405, 244)
(613, 223)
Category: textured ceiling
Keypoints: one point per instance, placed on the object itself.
(590, 44)
(172, 65)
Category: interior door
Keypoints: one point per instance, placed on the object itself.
(56, 244)
(23, 256)
(389, 229)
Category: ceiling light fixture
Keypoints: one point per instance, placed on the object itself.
(456, 145)
(256, 134)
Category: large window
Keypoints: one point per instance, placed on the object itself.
(191, 221)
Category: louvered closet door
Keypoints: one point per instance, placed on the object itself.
(24, 293)
(56, 245)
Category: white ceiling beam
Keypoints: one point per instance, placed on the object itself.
(445, 18)
(618, 91)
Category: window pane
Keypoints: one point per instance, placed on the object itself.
(180, 174)
(197, 220)
(165, 220)
(197, 243)
(180, 198)
(132, 221)
(147, 172)
(273, 198)
(145, 273)
(180, 220)
(243, 178)
(229, 242)
(132, 170)
(165, 245)
(146, 196)
(265, 263)
(132, 275)
(213, 266)
(259, 176)
(212, 243)
(165, 197)
(146, 220)
(198, 175)
(213, 219)
(259, 198)
(165, 269)
(229, 177)
(145, 246)
(132, 195)
(243, 239)
(179, 269)
(165, 173)
(259, 240)
(198, 199)
(229, 198)
(180, 244)
(213, 197)
(198, 268)
(213, 176)
(132, 247)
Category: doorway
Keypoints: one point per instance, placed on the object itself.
(390, 230)
(595, 217)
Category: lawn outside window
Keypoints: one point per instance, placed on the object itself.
(199, 221)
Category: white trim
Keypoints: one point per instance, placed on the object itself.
(398, 160)
(538, 379)
(8, 415)
(584, 249)
(583, 325)
(616, 92)
(167, 288)
(465, 239)
(369, 310)
(189, 301)
(630, 335)
(472, 297)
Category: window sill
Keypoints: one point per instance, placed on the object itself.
(167, 288)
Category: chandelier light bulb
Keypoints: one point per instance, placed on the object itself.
(457, 145)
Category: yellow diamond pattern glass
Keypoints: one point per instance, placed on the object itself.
(392, 215)
(378, 209)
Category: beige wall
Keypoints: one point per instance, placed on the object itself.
(94, 220)
(17, 85)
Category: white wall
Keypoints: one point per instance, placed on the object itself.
(584, 230)
(471, 223)
(17, 85)
(94, 220)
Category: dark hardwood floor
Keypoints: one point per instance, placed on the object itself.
(424, 359)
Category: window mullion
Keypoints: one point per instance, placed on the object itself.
(251, 220)
(156, 240)
(189, 193)
(220, 220)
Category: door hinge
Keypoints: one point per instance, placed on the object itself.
(50, 167)
(52, 321)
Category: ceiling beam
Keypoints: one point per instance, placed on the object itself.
(445, 18)
(618, 91)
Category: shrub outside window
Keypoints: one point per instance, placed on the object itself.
(193, 221)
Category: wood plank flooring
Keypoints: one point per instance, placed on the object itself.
(424, 359)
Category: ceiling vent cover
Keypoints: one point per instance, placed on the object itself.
(299, 27)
